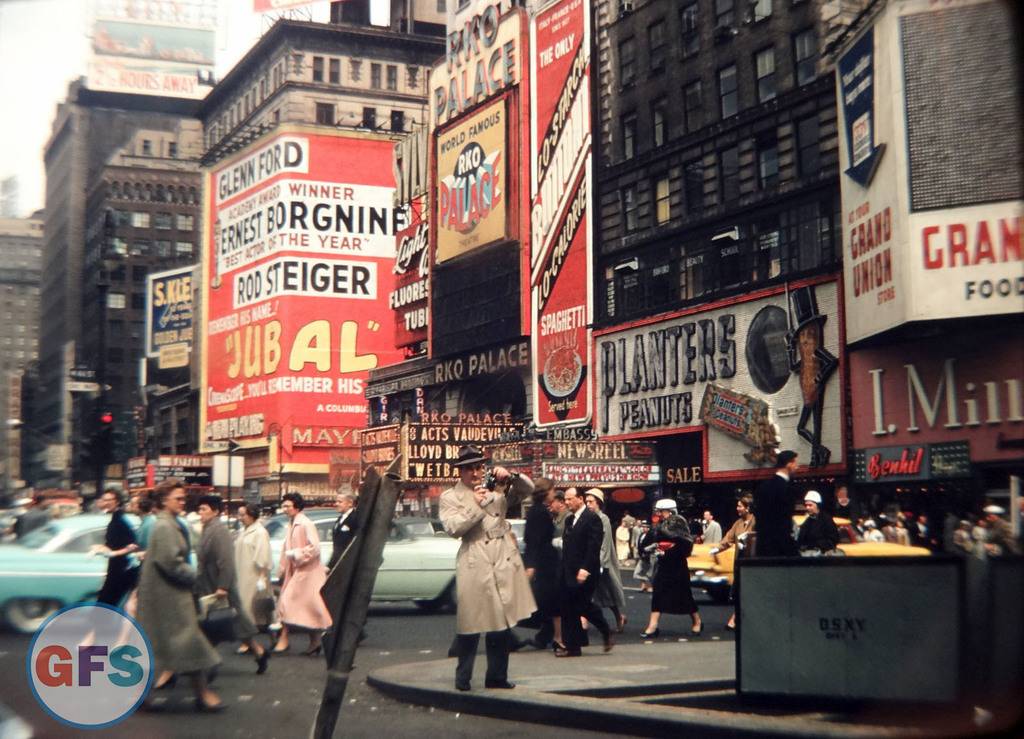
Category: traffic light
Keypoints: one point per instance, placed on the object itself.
(103, 441)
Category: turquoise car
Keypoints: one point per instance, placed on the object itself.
(51, 567)
(416, 568)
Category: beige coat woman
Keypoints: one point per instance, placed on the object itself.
(492, 587)
(302, 576)
(252, 563)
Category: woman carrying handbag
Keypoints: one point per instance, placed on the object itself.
(252, 560)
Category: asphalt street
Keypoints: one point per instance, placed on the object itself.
(282, 703)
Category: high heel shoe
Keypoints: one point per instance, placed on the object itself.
(261, 661)
(204, 707)
(622, 624)
(281, 650)
(314, 651)
(699, 631)
(650, 634)
(730, 627)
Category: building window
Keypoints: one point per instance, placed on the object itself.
(334, 71)
(724, 15)
(693, 186)
(147, 148)
(761, 9)
(768, 162)
(688, 18)
(627, 62)
(370, 118)
(729, 171)
(375, 78)
(727, 94)
(140, 219)
(691, 277)
(116, 301)
(318, 69)
(628, 123)
(659, 114)
(392, 77)
(172, 150)
(764, 64)
(693, 106)
(325, 114)
(630, 221)
(163, 221)
(162, 248)
(140, 248)
(442, 6)
(119, 246)
(656, 44)
(185, 223)
(138, 301)
(662, 204)
(807, 146)
(183, 248)
(397, 120)
(805, 53)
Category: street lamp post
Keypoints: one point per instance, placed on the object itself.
(102, 289)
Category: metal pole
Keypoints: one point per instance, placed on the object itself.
(349, 587)
(1015, 504)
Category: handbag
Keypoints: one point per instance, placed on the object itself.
(218, 623)
(263, 607)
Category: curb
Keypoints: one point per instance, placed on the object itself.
(597, 710)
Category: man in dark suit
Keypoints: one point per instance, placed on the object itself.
(773, 509)
(344, 529)
(581, 570)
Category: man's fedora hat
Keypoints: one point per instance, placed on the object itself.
(468, 455)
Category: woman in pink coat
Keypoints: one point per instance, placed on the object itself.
(302, 575)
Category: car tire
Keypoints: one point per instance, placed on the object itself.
(444, 602)
(26, 615)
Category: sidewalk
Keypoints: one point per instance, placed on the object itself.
(652, 689)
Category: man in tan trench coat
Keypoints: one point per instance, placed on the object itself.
(492, 587)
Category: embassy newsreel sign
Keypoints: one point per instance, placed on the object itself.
(758, 374)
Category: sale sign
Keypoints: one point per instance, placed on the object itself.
(297, 271)
(560, 213)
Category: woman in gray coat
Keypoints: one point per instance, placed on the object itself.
(167, 611)
(609, 593)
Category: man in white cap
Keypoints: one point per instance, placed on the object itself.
(818, 533)
(1000, 534)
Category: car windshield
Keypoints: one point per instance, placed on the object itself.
(40, 537)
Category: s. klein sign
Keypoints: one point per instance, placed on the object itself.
(169, 308)
(297, 269)
(560, 208)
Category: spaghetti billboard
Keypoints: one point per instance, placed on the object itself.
(297, 270)
(560, 213)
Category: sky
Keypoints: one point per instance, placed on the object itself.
(44, 45)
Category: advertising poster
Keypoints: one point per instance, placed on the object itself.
(560, 213)
(758, 375)
(297, 264)
(174, 58)
(471, 182)
(409, 299)
(169, 310)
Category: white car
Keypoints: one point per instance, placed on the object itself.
(416, 568)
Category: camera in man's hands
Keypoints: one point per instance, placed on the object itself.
(490, 481)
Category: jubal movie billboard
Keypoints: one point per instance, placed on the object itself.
(297, 266)
(560, 212)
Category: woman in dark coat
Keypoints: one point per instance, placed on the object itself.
(542, 563)
(118, 544)
(672, 593)
(167, 611)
